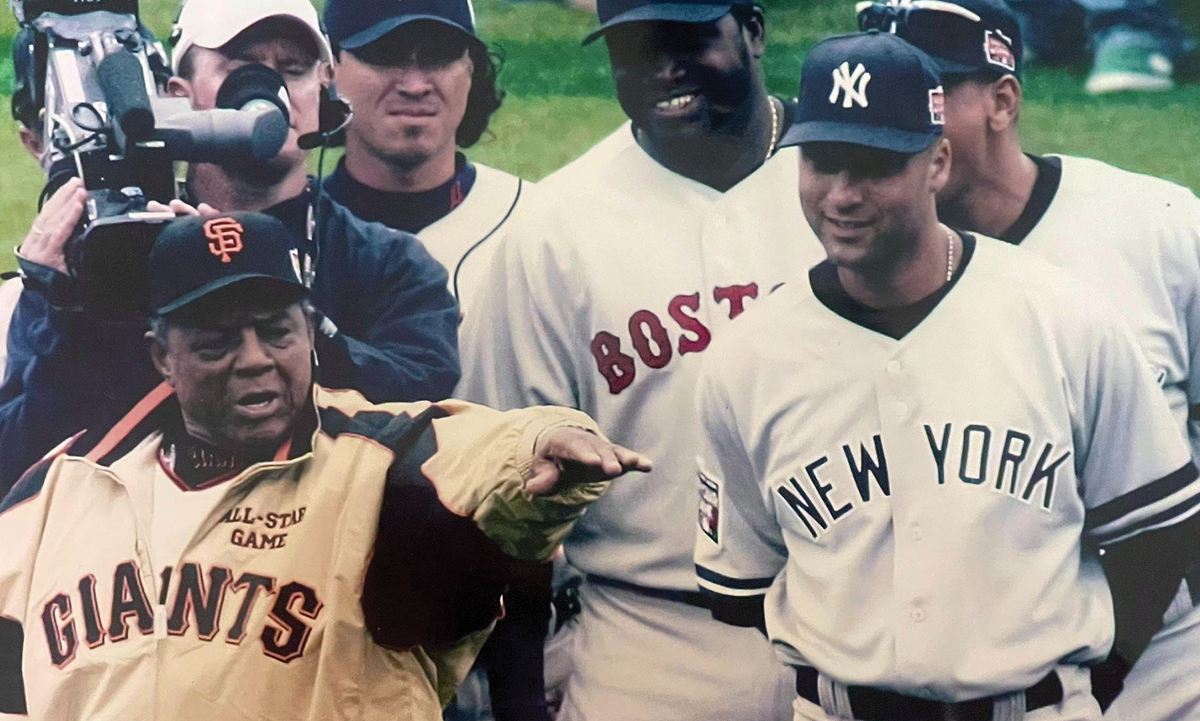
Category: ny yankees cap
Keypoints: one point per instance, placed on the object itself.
(871, 89)
(212, 23)
(194, 257)
(962, 36)
(617, 12)
(355, 23)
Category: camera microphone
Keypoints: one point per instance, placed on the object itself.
(124, 86)
(250, 122)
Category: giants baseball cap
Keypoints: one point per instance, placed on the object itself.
(355, 23)
(617, 12)
(212, 23)
(871, 89)
(194, 257)
(962, 36)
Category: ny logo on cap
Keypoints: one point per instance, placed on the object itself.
(852, 85)
(224, 237)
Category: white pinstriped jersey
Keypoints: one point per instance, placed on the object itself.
(1136, 239)
(922, 514)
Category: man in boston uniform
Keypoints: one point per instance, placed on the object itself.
(937, 472)
(247, 544)
(423, 85)
(1134, 236)
(604, 297)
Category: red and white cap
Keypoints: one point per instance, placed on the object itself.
(212, 23)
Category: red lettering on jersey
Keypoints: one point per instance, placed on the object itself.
(641, 343)
(616, 367)
(652, 340)
(689, 324)
(736, 295)
(60, 630)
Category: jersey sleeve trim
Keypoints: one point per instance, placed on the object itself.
(711, 578)
(1168, 500)
(742, 611)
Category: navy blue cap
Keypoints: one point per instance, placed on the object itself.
(617, 12)
(871, 89)
(354, 23)
(195, 256)
(962, 36)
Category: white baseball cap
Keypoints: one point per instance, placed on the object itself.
(212, 23)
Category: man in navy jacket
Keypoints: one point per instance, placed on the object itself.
(390, 324)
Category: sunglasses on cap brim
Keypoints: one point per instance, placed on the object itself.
(953, 34)
(895, 11)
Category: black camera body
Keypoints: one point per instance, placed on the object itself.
(96, 79)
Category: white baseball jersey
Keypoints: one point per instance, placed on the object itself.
(1138, 239)
(466, 238)
(279, 596)
(604, 296)
(922, 514)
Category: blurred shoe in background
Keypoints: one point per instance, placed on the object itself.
(1135, 44)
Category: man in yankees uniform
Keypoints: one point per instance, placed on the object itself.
(936, 471)
(603, 297)
(248, 544)
(422, 85)
(1135, 236)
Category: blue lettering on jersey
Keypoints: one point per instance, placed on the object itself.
(977, 455)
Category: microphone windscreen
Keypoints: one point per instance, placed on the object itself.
(124, 86)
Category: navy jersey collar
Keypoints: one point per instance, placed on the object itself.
(892, 322)
(1045, 188)
(409, 212)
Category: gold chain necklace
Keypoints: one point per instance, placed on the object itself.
(949, 255)
(774, 127)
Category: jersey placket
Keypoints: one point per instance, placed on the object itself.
(913, 560)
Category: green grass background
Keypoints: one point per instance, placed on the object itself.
(560, 99)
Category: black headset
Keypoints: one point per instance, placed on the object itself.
(334, 114)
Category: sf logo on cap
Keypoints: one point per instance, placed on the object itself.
(851, 85)
(224, 237)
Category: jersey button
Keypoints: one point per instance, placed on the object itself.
(918, 615)
(901, 410)
(893, 367)
(916, 532)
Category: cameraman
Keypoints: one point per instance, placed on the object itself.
(389, 323)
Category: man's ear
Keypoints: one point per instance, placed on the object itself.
(32, 140)
(1005, 104)
(177, 87)
(754, 29)
(939, 164)
(158, 356)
